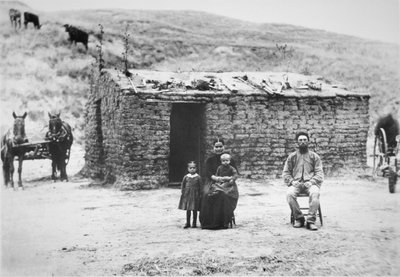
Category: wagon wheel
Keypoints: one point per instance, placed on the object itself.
(380, 151)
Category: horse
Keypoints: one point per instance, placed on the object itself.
(61, 139)
(9, 151)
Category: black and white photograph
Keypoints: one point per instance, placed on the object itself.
(200, 138)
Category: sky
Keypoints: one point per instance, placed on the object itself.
(373, 19)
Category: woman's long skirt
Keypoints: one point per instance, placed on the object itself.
(216, 210)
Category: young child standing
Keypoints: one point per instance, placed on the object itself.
(190, 197)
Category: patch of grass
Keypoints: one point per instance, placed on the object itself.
(205, 265)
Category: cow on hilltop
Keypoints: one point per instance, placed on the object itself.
(30, 17)
(15, 18)
(76, 35)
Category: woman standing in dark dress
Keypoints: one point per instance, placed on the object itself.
(217, 206)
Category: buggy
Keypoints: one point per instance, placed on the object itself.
(386, 158)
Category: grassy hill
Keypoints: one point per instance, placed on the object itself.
(41, 72)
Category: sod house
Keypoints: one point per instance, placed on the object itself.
(142, 130)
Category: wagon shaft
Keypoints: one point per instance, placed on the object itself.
(35, 150)
(31, 144)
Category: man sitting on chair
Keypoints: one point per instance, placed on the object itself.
(303, 174)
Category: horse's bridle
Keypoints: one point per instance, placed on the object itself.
(19, 135)
(60, 134)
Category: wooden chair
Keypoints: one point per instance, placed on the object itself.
(232, 222)
(303, 209)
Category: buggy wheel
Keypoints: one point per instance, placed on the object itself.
(392, 180)
(380, 151)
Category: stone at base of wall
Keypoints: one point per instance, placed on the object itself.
(127, 184)
(84, 172)
(342, 170)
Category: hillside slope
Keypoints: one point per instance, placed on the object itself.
(41, 72)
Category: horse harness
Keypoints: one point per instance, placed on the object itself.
(61, 135)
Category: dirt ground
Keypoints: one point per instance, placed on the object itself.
(54, 228)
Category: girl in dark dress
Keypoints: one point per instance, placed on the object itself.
(190, 197)
(217, 206)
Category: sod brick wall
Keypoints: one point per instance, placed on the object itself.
(127, 132)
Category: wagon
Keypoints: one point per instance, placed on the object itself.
(386, 159)
(39, 150)
(35, 150)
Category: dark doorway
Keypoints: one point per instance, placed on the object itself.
(186, 139)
